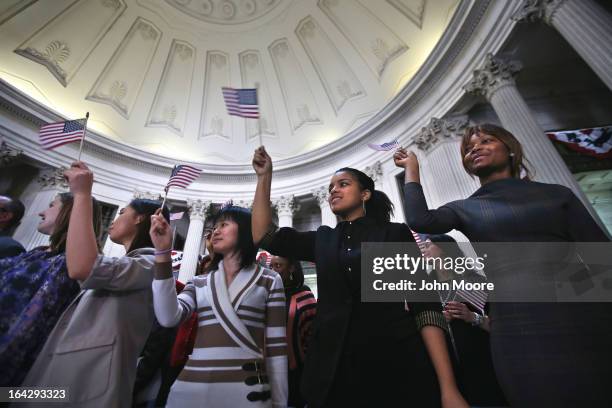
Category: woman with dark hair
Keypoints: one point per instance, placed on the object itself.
(240, 355)
(469, 331)
(359, 354)
(301, 310)
(34, 291)
(94, 347)
(168, 348)
(544, 354)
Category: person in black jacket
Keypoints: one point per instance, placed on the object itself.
(545, 354)
(11, 212)
(154, 371)
(360, 354)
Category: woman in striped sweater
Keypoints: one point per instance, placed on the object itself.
(240, 354)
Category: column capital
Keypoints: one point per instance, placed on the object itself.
(286, 205)
(147, 195)
(534, 10)
(438, 130)
(53, 179)
(494, 74)
(244, 203)
(8, 154)
(198, 208)
(374, 171)
(322, 196)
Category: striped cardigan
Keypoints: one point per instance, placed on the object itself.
(241, 338)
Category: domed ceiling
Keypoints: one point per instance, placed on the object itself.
(150, 72)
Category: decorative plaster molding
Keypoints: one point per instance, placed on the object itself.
(8, 155)
(286, 205)
(64, 60)
(494, 74)
(198, 208)
(375, 171)
(53, 179)
(225, 12)
(443, 57)
(321, 194)
(121, 79)
(146, 195)
(534, 10)
(438, 130)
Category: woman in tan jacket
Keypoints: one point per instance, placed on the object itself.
(93, 350)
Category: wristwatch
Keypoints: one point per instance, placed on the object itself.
(478, 319)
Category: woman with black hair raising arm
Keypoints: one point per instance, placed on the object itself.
(360, 354)
(240, 354)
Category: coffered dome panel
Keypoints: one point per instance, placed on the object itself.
(150, 72)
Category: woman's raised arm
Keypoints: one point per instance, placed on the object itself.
(418, 217)
(262, 210)
(81, 243)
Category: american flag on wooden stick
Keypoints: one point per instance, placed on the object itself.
(176, 216)
(385, 147)
(241, 102)
(182, 176)
(57, 134)
(477, 298)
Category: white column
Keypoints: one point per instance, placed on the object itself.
(495, 81)
(442, 173)
(327, 216)
(49, 184)
(375, 172)
(584, 24)
(285, 207)
(191, 250)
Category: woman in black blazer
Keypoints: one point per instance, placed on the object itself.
(360, 354)
(545, 354)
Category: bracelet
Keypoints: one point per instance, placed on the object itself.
(478, 319)
(163, 252)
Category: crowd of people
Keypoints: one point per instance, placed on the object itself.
(122, 331)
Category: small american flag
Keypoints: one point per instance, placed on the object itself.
(176, 216)
(241, 102)
(477, 298)
(264, 258)
(385, 147)
(60, 133)
(183, 175)
(177, 258)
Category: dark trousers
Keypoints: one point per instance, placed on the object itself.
(391, 375)
(553, 355)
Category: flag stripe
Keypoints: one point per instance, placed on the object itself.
(478, 298)
(63, 136)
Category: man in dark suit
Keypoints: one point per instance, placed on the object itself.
(11, 212)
